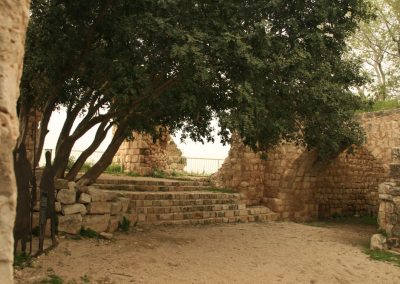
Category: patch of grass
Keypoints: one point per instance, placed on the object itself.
(159, 174)
(22, 260)
(51, 279)
(89, 233)
(380, 105)
(382, 255)
(86, 166)
(132, 174)
(85, 279)
(124, 225)
(114, 168)
(220, 190)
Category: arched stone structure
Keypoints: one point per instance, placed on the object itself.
(293, 183)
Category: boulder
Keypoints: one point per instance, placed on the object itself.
(99, 208)
(97, 223)
(73, 209)
(98, 195)
(378, 242)
(85, 198)
(66, 196)
(70, 224)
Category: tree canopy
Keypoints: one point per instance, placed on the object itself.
(269, 70)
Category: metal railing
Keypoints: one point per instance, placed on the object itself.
(202, 165)
(192, 165)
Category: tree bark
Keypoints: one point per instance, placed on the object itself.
(99, 137)
(13, 22)
(94, 172)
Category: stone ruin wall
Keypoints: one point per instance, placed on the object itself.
(292, 182)
(142, 155)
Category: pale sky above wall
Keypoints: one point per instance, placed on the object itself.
(189, 148)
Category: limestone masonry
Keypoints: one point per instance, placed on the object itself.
(142, 155)
(291, 182)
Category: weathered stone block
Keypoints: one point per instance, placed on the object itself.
(97, 223)
(124, 203)
(61, 184)
(70, 224)
(66, 196)
(71, 185)
(57, 207)
(385, 197)
(385, 187)
(394, 170)
(73, 209)
(113, 224)
(99, 208)
(99, 195)
(116, 207)
(85, 198)
(106, 236)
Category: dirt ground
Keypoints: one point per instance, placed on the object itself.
(241, 253)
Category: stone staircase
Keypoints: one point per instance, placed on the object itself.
(160, 201)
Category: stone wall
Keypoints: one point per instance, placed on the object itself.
(142, 155)
(86, 208)
(14, 17)
(292, 182)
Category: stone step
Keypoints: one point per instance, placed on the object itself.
(219, 218)
(152, 182)
(171, 195)
(183, 202)
(186, 209)
(152, 188)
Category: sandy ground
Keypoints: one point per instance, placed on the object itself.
(241, 253)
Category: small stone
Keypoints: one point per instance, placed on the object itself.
(61, 184)
(70, 224)
(73, 209)
(66, 196)
(107, 236)
(85, 198)
(99, 208)
(378, 242)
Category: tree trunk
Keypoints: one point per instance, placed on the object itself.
(106, 159)
(100, 136)
(13, 22)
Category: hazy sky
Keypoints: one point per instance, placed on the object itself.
(189, 148)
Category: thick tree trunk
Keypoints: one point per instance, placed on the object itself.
(100, 136)
(13, 22)
(106, 159)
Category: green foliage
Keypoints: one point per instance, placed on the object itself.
(158, 174)
(269, 70)
(124, 225)
(22, 260)
(220, 190)
(86, 166)
(89, 233)
(71, 162)
(381, 105)
(51, 279)
(382, 255)
(114, 168)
